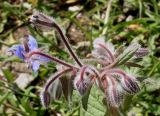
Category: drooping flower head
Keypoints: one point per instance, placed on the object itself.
(41, 21)
(85, 78)
(23, 50)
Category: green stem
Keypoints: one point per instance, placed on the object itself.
(107, 16)
(153, 69)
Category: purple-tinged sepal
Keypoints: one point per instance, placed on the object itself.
(45, 99)
(130, 84)
(51, 91)
(41, 21)
(141, 52)
(83, 80)
(127, 81)
(128, 53)
(82, 85)
(113, 91)
(103, 50)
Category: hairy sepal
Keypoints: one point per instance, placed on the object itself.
(113, 92)
(82, 85)
(128, 82)
(103, 50)
(128, 53)
(41, 21)
(141, 52)
(45, 98)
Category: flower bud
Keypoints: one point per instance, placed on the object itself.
(83, 80)
(55, 89)
(45, 99)
(128, 53)
(141, 52)
(82, 85)
(130, 84)
(113, 91)
(41, 21)
(52, 90)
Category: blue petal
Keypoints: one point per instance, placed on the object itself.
(17, 50)
(35, 66)
(32, 43)
(43, 59)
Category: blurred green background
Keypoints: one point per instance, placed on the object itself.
(120, 21)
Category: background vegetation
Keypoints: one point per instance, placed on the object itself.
(121, 22)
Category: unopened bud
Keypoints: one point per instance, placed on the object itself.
(41, 21)
(130, 85)
(141, 52)
(82, 85)
(128, 53)
(45, 99)
(113, 91)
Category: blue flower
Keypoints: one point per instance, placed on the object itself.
(22, 51)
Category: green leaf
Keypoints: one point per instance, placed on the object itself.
(4, 97)
(8, 75)
(151, 84)
(3, 22)
(85, 99)
(25, 103)
(95, 105)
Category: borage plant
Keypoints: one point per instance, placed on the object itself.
(113, 81)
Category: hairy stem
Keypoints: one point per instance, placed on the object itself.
(53, 59)
(110, 66)
(82, 72)
(56, 76)
(114, 71)
(64, 39)
(108, 52)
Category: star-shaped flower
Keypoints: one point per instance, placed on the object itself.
(22, 51)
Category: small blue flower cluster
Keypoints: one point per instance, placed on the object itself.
(24, 50)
